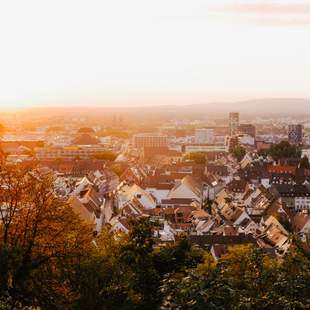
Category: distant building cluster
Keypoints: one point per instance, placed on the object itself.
(186, 181)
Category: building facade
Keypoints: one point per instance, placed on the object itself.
(204, 148)
(68, 153)
(233, 122)
(295, 134)
(204, 136)
(149, 140)
(247, 129)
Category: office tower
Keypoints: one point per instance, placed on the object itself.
(295, 134)
(233, 122)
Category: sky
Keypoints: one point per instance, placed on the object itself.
(107, 52)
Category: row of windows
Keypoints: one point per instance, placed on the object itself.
(80, 152)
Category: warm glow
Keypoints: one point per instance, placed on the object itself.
(83, 52)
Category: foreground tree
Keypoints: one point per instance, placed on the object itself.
(239, 152)
(50, 259)
(39, 237)
(244, 278)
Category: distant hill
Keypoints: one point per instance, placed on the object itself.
(276, 106)
(257, 107)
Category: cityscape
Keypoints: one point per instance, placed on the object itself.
(221, 183)
(155, 155)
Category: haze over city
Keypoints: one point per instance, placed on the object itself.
(105, 53)
(155, 155)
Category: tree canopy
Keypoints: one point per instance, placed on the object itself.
(244, 278)
(107, 155)
(39, 235)
(197, 157)
(282, 150)
(50, 259)
(239, 152)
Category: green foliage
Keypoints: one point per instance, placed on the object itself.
(39, 235)
(282, 150)
(239, 152)
(108, 155)
(197, 157)
(50, 259)
(137, 257)
(244, 278)
(176, 257)
(7, 303)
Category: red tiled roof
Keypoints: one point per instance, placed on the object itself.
(300, 220)
(281, 169)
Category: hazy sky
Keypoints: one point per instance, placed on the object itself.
(152, 51)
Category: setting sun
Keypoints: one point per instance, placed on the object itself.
(152, 52)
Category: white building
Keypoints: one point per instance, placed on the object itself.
(127, 193)
(68, 152)
(233, 122)
(305, 153)
(246, 140)
(204, 136)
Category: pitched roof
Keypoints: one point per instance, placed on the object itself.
(81, 210)
(227, 230)
(129, 192)
(217, 169)
(292, 190)
(300, 220)
(85, 139)
(87, 130)
(200, 214)
(237, 186)
(218, 250)
(186, 187)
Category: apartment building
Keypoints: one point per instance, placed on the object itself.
(68, 152)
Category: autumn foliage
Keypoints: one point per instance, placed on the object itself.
(49, 259)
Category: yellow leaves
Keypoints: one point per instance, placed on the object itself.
(208, 264)
(238, 259)
(270, 263)
(237, 254)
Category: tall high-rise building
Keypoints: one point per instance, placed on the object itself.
(204, 136)
(247, 129)
(233, 122)
(231, 142)
(295, 134)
